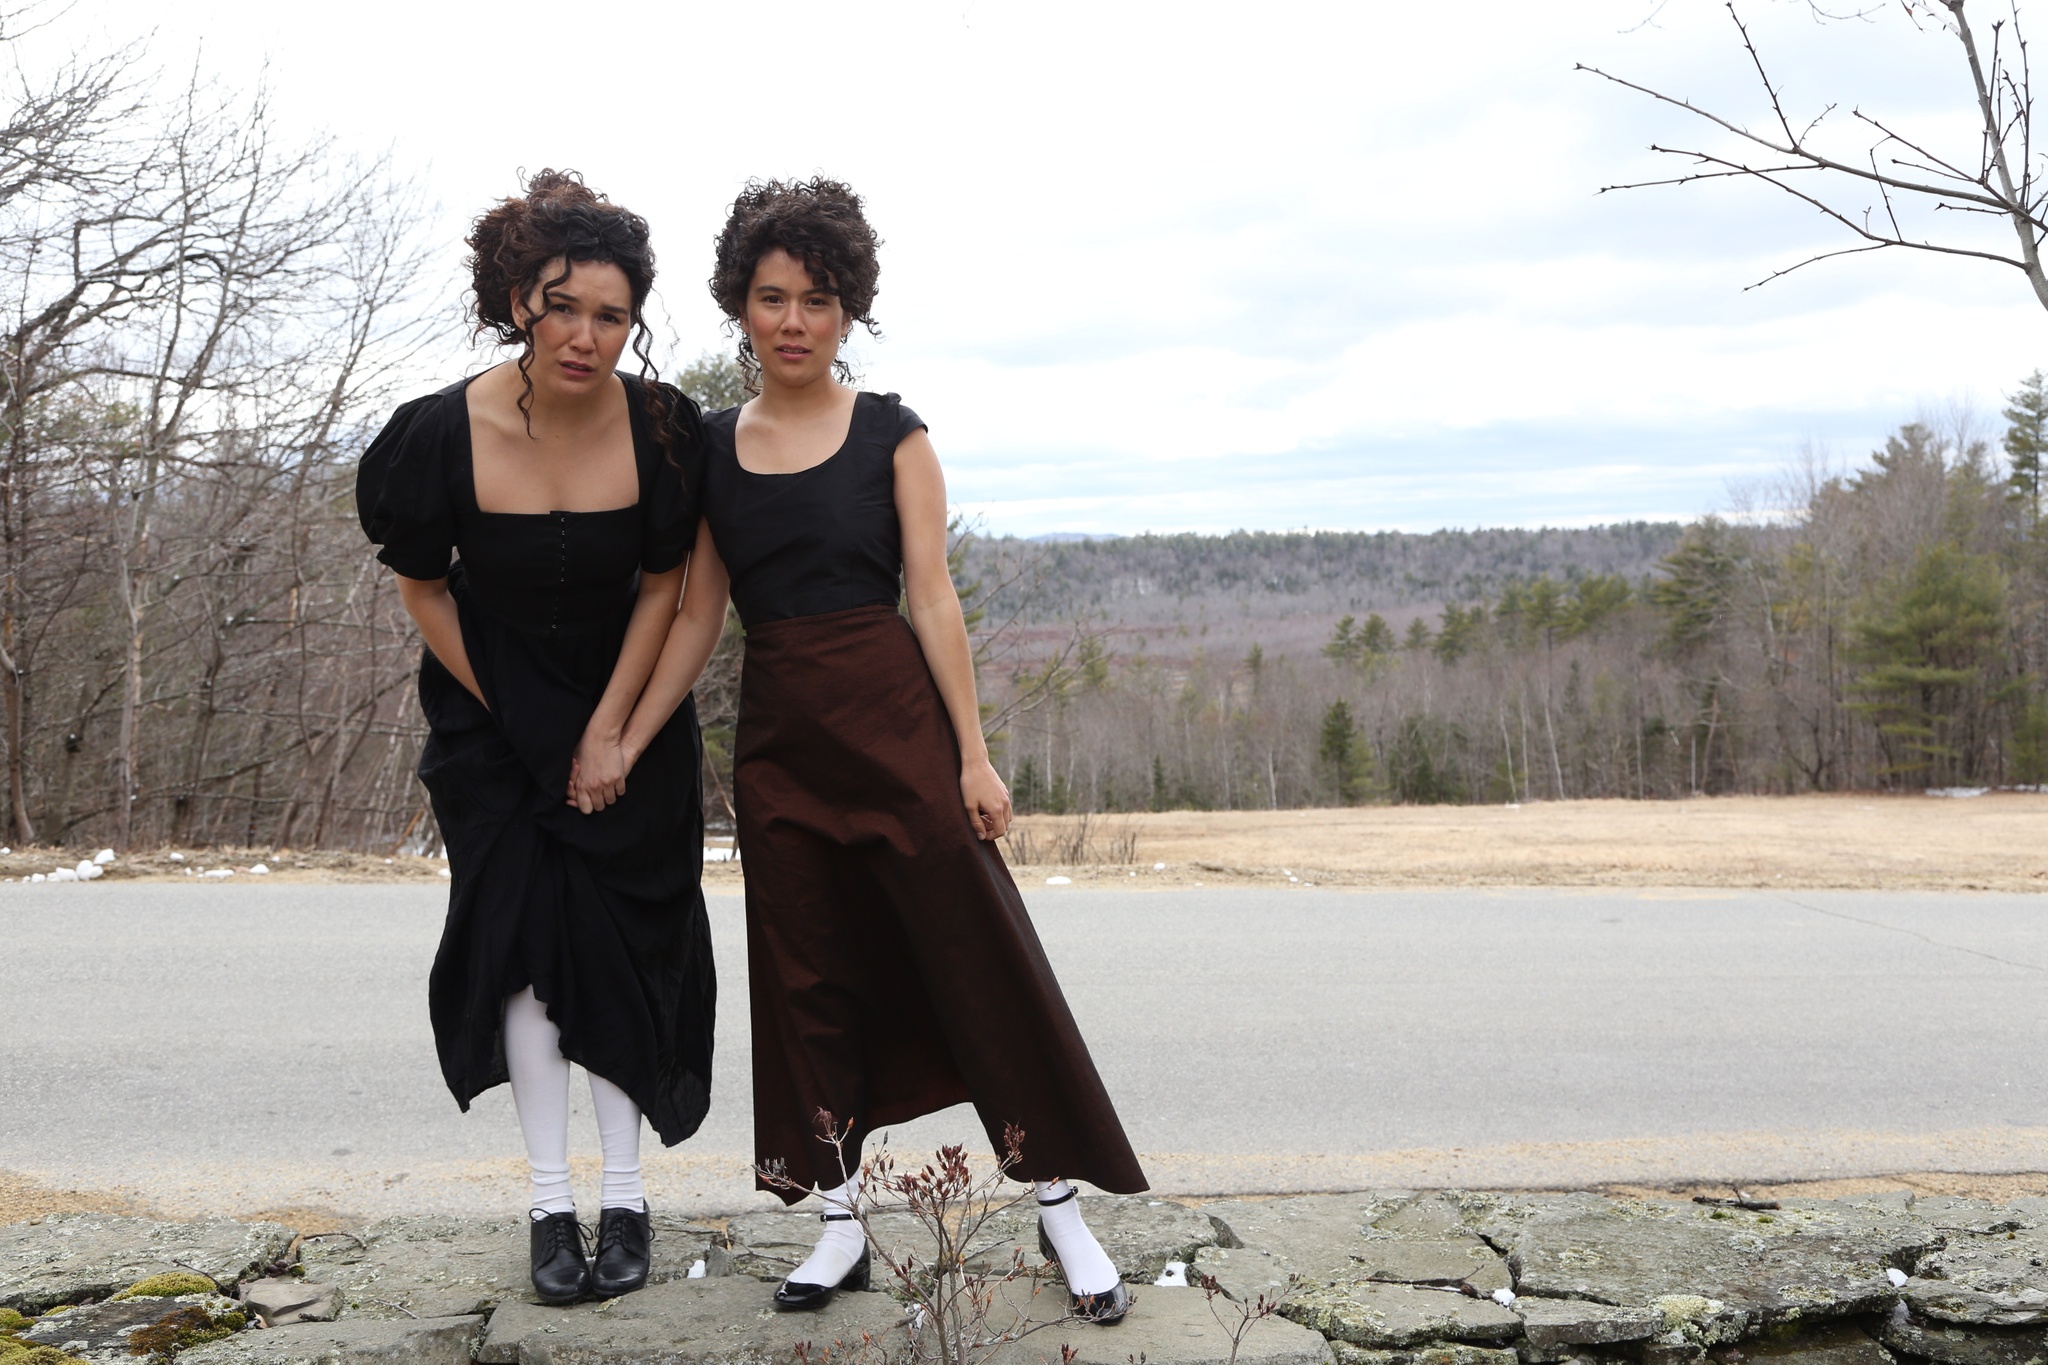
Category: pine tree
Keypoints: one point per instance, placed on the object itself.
(1931, 652)
(1339, 751)
(2026, 441)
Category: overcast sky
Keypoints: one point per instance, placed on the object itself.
(1196, 267)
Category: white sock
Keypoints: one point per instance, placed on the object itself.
(618, 1132)
(540, 1091)
(841, 1245)
(1084, 1264)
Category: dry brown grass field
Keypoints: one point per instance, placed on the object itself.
(1995, 842)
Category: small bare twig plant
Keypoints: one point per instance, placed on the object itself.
(1243, 1314)
(1077, 842)
(1997, 179)
(965, 1298)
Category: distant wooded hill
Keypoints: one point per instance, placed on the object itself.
(1163, 580)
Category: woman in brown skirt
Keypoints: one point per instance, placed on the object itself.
(894, 968)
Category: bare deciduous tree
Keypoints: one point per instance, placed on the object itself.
(1876, 194)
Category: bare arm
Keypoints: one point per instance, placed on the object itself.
(431, 608)
(941, 630)
(597, 777)
(692, 635)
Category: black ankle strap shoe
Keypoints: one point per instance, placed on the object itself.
(625, 1242)
(796, 1296)
(560, 1274)
(1104, 1309)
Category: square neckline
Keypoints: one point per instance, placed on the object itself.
(633, 416)
(852, 422)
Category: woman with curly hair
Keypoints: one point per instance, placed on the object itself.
(894, 970)
(576, 928)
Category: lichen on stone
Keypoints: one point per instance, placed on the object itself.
(169, 1285)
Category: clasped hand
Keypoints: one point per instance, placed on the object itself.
(597, 774)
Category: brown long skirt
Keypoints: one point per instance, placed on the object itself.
(894, 968)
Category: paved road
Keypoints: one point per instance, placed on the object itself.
(267, 1045)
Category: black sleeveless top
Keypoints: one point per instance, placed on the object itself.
(821, 539)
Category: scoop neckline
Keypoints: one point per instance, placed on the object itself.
(469, 458)
(852, 419)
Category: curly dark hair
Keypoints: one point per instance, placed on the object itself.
(558, 218)
(819, 222)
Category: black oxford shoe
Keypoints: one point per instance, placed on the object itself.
(560, 1274)
(624, 1241)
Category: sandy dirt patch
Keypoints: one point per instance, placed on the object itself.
(1995, 842)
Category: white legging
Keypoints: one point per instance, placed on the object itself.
(540, 1090)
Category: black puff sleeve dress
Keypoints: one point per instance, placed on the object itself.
(602, 914)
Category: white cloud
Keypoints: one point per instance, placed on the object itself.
(1157, 266)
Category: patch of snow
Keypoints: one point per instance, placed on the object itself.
(103, 857)
(219, 872)
(260, 870)
(87, 871)
(446, 873)
(1175, 1276)
(1959, 793)
(38, 877)
(718, 855)
(1159, 867)
(1059, 881)
(64, 874)
(1896, 1276)
(696, 1269)
(1504, 1297)
(177, 857)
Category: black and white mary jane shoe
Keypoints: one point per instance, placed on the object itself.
(795, 1296)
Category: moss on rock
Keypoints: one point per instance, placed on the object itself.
(178, 1331)
(12, 1321)
(15, 1351)
(169, 1285)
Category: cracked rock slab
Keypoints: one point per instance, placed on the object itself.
(725, 1321)
(1443, 1353)
(1813, 1260)
(1465, 1260)
(1557, 1325)
(1840, 1343)
(1992, 1274)
(71, 1257)
(1393, 1316)
(1946, 1345)
(1246, 1274)
(1170, 1327)
(283, 1302)
(1325, 1239)
(360, 1341)
(1311, 1235)
(441, 1267)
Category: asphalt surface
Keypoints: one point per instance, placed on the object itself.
(265, 1046)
